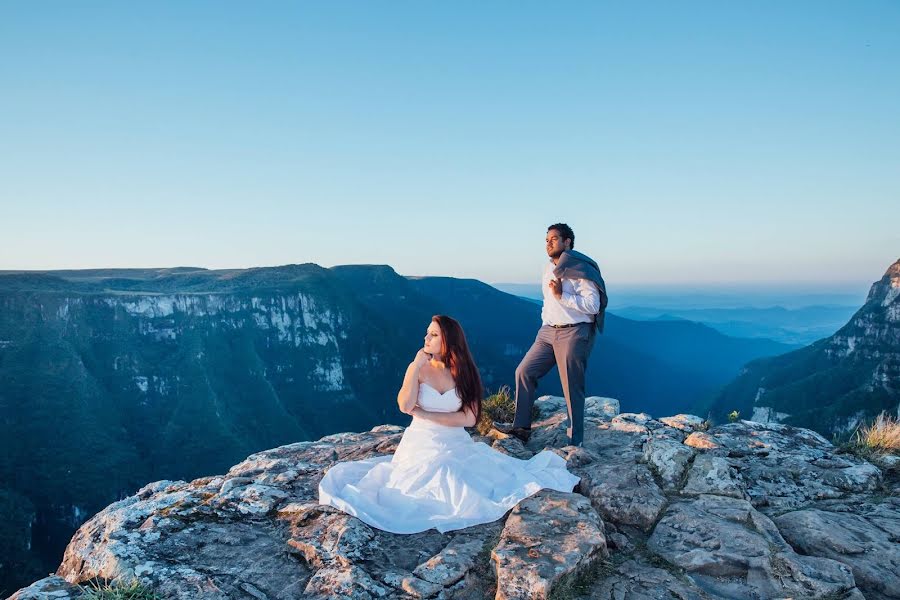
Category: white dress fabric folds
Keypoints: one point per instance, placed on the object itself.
(439, 477)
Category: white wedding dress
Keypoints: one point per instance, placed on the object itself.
(439, 477)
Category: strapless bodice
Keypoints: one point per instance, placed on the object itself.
(432, 400)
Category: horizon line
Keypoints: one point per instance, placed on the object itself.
(634, 284)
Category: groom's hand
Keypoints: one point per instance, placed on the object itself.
(556, 288)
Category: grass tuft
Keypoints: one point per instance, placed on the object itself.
(883, 435)
(579, 584)
(499, 408)
(116, 590)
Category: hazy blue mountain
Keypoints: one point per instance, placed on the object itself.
(800, 326)
(796, 317)
(703, 296)
(112, 378)
(834, 384)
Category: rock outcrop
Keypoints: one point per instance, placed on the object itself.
(834, 384)
(664, 509)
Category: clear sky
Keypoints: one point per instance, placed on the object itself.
(683, 141)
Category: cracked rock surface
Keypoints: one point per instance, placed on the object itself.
(664, 509)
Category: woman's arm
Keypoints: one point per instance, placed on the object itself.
(460, 418)
(409, 392)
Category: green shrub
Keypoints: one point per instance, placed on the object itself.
(500, 408)
(114, 590)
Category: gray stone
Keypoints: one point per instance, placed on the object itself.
(332, 538)
(631, 423)
(701, 441)
(683, 422)
(888, 462)
(669, 459)
(412, 585)
(452, 562)
(49, 588)
(623, 493)
(786, 468)
(225, 537)
(595, 407)
(633, 580)
(547, 537)
(713, 475)
(732, 550)
(513, 447)
(868, 543)
(601, 407)
(349, 582)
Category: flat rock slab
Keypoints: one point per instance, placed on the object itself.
(227, 537)
(714, 475)
(624, 493)
(453, 561)
(594, 406)
(513, 447)
(49, 588)
(788, 468)
(639, 423)
(868, 543)
(633, 580)
(669, 458)
(701, 441)
(350, 582)
(732, 550)
(684, 422)
(547, 537)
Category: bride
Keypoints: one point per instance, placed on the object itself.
(439, 477)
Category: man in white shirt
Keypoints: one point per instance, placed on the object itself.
(574, 303)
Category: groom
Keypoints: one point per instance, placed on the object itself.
(573, 311)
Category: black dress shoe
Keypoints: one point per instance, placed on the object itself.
(523, 433)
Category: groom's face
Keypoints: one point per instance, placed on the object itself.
(555, 244)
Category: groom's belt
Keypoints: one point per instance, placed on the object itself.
(564, 325)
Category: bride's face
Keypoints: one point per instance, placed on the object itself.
(433, 340)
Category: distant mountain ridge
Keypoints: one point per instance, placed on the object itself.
(127, 376)
(790, 317)
(800, 326)
(835, 383)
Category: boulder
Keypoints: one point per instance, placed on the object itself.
(732, 550)
(868, 543)
(547, 537)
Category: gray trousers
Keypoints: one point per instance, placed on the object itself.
(568, 348)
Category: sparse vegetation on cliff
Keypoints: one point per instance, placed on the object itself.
(132, 590)
(499, 408)
(883, 435)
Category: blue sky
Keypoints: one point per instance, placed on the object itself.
(691, 142)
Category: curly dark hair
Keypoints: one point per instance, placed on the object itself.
(565, 231)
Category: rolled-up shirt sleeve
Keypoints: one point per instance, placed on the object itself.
(585, 299)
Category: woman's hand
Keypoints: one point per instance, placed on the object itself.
(409, 392)
(422, 358)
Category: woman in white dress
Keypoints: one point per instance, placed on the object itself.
(439, 477)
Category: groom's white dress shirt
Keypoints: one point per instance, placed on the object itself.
(579, 303)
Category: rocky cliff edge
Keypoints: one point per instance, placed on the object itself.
(664, 509)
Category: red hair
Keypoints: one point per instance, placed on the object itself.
(455, 354)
